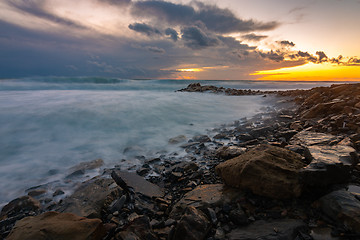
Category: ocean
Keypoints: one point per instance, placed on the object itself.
(49, 124)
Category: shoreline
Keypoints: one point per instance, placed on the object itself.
(162, 209)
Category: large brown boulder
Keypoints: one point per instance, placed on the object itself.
(57, 226)
(265, 170)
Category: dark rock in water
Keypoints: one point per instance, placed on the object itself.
(58, 192)
(265, 170)
(228, 152)
(204, 196)
(331, 160)
(193, 225)
(139, 184)
(19, 205)
(60, 226)
(37, 192)
(81, 168)
(138, 229)
(201, 138)
(343, 208)
(178, 139)
(285, 229)
(89, 199)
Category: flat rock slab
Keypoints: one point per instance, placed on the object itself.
(331, 159)
(59, 226)
(343, 208)
(140, 185)
(284, 229)
(204, 196)
(265, 170)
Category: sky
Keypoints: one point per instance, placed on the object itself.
(315, 40)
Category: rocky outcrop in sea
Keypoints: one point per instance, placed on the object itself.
(288, 173)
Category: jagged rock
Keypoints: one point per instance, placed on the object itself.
(265, 170)
(19, 205)
(343, 208)
(193, 225)
(89, 199)
(228, 152)
(139, 184)
(204, 196)
(59, 226)
(138, 229)
(201, 138)
(331, 159)
(284, 229)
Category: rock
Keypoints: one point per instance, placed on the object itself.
(59, 226)
(19, 205)
(284, 229)
(117, 204)
(228, 152)
(138, 229)
(238, 217)
(261, 131)
(81, 168)
(89, 199)
(178, 139)
(37, 192)
(265, 170)
(58, 192)
(204, 196)
(193, 225)
(139, 184)
(343, 208)
(201, 138)
(331, 159)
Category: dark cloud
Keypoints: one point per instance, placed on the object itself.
(354, 61)
(172, 33)
(144, 28)
(232, 43)
(117, 2)
(286, 43)
(277, 57)
(155, 49)
(322, 56)
(215, 19)
(36, 8)
(253, 37)
(337, 60)
(196, 38)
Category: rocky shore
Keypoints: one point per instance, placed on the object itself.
(288, 173)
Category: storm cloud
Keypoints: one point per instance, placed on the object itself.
(145, 29)
(172, 33)
(196, 38)
(253, 37)
(286, 43)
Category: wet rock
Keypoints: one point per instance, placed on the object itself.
(37, 192)
(204, 196)
(193, 225)
(261, 131)
(81, 168)
(238, 217)
(265, 170)
(19, 205)
(201, 138)
(138, 229)
(331, 159)
(228, 152)
(139, 184)
(58, 192)
(60, 226)
(117, 204)
(287, 229)
(89, 199)
(178, 139)
(343, 208)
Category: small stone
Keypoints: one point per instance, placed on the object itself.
(58, 192)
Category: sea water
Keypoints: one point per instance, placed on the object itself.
(50, 124)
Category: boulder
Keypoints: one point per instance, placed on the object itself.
(57, 226)
(178, 139)
(284, 229)
(265, 170)
(228, 152)
(343, 208)
(331, 159)
(81, 168)
(193, 225)
(204, 196)
(89, 199)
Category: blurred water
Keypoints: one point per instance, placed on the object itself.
(50, 124)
